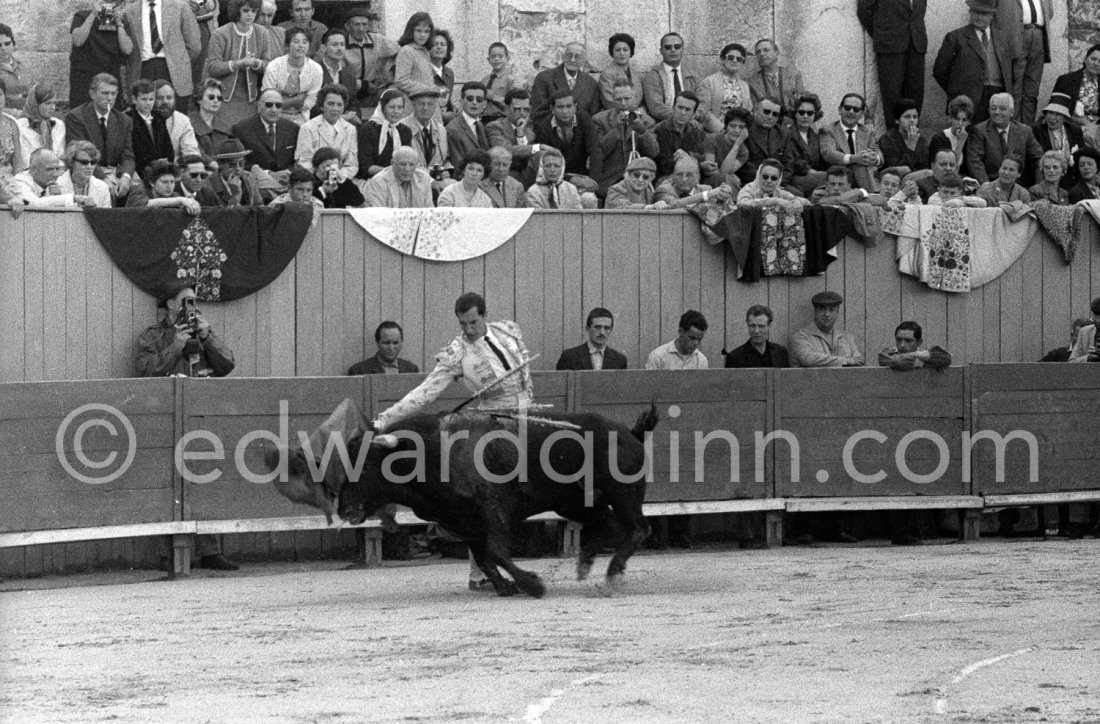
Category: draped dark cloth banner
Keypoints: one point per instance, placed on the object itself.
(227, 253)
(825, 227)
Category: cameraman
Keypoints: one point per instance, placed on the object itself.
(181, 344)
(184, 344)
(625, 134)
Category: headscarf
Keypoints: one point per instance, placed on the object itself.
(389, 130)
(38, 94)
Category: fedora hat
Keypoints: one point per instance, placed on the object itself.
(229, 149)
(983, 6)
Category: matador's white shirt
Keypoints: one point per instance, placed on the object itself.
(477, 366)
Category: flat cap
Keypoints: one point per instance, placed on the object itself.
(642, 164)
(826, 299)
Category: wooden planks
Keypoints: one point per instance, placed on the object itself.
(71, 314)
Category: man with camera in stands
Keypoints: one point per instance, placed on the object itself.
(184, 344)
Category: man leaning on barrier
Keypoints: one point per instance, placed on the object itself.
(907, 353)
(183, 344)
(820, 344)
(491, 359)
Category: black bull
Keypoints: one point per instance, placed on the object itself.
(408, 468)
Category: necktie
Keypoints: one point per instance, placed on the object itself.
(479, 131)
(154, 32)
(1034, 12)
(492, 79)
(500, 190)
(985, 40)
(571, 80)
(597, 360)
(676, 87)
(1004, 141)
(851, 141)
(498, 353)
(271, 136)
(429, 147)
(103, 128)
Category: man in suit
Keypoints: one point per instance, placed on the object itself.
(766, 138)
(387, 360)
(232, 185)
(848, 142)
(336, 70)
(594, 354)
(664, 81)
(516, 133)
(1000, 136)
(1026, 22)
(429, 136)
(772, 79)
(110, 131)
(466, 131)
(272, 141)
(573, 134)
(265, 18)
(505, 191)
(944, 163)
(568, 76)
(149, 137)
(166, 40)
(900, 40)
(978, 61)
(623, 131)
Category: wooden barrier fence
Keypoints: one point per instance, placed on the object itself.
(70, 314)
(1056, 405)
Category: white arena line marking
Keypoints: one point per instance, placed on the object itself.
(941, 703)
(535, 711)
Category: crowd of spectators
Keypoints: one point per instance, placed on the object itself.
(157, 79)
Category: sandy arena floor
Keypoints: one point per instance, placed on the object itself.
(999, 631)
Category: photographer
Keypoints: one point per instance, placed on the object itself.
(625, 134)
(101, 44)
(183, 342)
(330, 187)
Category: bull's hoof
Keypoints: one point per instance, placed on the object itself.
(616, 581)
(583, 569)
(504, 588)
(532, 585)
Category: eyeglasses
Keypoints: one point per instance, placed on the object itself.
(210, 97)
(769, 112)
(84, 161)
(573, 56)
(272, 104)
(806, 113)
(673, 46)
(736, 58)
(768, 177)
(198, 174)
(852, 109)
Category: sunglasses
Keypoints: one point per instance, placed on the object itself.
(84, 161)
(198, 174)
(736, 58)
(853, 109)
(474, 99)
(641, 174)
(806, 113)
(674, 46)
(767, 112)
(212, 97)
(272, 104)
(768, 177)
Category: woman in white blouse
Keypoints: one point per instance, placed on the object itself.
(295, 76)
(724, 90)
(468, 193)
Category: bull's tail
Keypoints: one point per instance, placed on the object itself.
(645, 422)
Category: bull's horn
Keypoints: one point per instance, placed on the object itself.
(389, 441)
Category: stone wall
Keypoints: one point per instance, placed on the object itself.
(820, 37)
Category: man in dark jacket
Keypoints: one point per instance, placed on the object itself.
(758, 351)
(900, 40)
(594, 354)
(387, 360)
